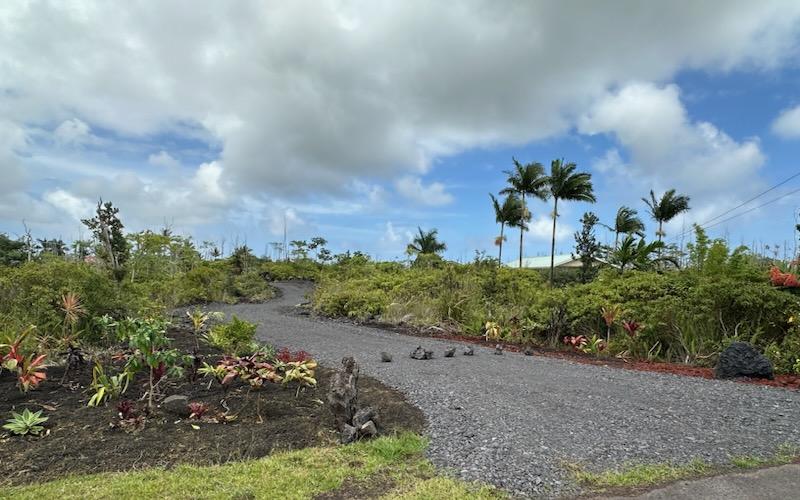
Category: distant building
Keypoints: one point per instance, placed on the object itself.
(563, 260)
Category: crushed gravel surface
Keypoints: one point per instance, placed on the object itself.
(516, 421)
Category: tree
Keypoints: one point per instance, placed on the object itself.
(638, 254)
(526, 180)
(586, 246)
(510, 212)
(12, 252)
(666, 208)
(107, 229)
(565, 184)
(627, 221)
(299, 249)
(318, 245)
(55, 247)
(426, 243)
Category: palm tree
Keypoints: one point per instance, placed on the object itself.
(665, 209)
(638, 254)
(425, 243)
(507, 213)
(526, 180)
(565, 184)
(627, 221)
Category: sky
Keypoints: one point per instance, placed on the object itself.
(360, 121)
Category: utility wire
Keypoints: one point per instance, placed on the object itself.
(748, 210)
(759, 195)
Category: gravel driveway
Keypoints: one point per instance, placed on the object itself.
(514, 421)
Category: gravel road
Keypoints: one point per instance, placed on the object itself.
(515, 421)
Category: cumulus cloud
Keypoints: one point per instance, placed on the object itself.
(540, 228)
(787, 124)
(433, 194)
(77, 208)
(376, 89)
(12, 139)
(665, 145)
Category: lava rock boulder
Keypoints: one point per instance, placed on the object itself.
(741, 359)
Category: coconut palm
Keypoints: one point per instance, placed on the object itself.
(666, 209)
(565, 184)
(526, 180)
(425, 243)
(627, 221)
(508, 213)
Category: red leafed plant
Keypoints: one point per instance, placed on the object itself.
(286, 356)
(126, 409)
(29, 368)
(631, 327)
(576, 341)
(198, 409)
(252, 369)
(779, 278)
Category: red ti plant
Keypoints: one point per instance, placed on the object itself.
(29, 368)
(632, 327)
(286, 356)
(126, 409)
(576, 341)
(198, 409)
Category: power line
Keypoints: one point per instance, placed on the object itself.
(759, 195)
(751, 209)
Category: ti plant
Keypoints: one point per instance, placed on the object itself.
(594, 345)
(217, 372)
(299, 371)
(492, 330)
(29, 368)
(631, 327)
(253, 369)
(577, 342)
(199, 320)
(148, 340)
(610, 315)
(106, 386)
(197, 409)
(26, 423)
(73, 311)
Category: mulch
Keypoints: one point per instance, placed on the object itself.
(81, 439)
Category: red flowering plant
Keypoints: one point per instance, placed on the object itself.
(781, 279)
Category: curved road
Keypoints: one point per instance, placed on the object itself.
(516, 421)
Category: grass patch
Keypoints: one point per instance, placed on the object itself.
(786, 454)
(297, 474)
(642, 474)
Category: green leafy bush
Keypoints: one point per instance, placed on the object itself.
(252, 286)
(235, 337)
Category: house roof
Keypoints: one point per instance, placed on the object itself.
(542, 262)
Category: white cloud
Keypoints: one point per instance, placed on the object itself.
(163, 159)
(77, 208)
(787, 124)
(72, 132)
(326, 90)
(12, 139)
(433, 194)
(665, 145)
(541, 228)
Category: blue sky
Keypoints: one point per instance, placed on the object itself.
(359, 121)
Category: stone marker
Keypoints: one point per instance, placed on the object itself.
(420, 353)
(498, 349)
(450, 352)
(469, 351)
(386, 357)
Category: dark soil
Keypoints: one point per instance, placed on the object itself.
(81, 439)
(784, 381)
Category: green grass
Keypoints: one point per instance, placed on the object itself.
(293, 475)
(639, 475)
(642, 474)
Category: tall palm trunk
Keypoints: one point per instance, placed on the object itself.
(616, 239)
(660, 229)
(553, 243)
(500, 255)
(522, 228)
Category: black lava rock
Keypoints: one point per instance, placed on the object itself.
(741, 359)
(386, 357)
(450, 352)
(469, 351)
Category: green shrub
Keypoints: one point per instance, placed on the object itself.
(235, 337)
(252, 286)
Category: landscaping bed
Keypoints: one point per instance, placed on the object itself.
(82, 439)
